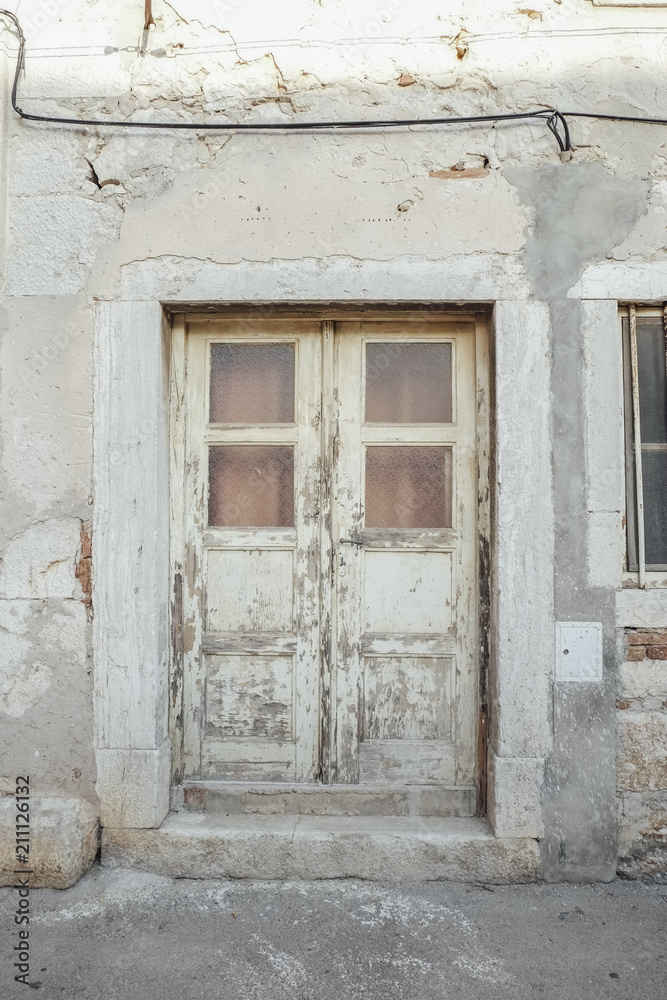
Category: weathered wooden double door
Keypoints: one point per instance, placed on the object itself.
(329, 511)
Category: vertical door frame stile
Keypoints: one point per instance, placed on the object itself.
(177, 449)
(467, 598)
(194, 583)
(308, 421)
(484, 452)
(348, 502)
(329, 432)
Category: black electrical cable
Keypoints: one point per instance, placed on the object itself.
(553, 118)
(556, 121)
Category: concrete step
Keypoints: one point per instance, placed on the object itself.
(202, 845)
(277, 799)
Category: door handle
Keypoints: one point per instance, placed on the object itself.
(352, 541)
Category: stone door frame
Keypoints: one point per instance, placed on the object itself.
(131, 588)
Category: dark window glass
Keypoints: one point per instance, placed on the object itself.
(252, 384)
(408, 383)
(251, 486)
(408, 487)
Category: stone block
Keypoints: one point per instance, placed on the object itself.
(190, 845)
(133, 786)
(641, 609)
(64, 836)
(643, 833)
(605, 549)
(645, 679)
(643, 816)
(515, 787)
(642, 751)
(604, 441)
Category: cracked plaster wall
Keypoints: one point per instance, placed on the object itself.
(95, 213)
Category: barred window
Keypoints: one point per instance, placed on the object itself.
(645, 396)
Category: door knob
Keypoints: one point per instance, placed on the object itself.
(352, 541)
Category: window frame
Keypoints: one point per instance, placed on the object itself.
(636, 570)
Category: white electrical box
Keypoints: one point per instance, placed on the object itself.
(578, 651)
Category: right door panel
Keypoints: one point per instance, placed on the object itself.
(405, 539)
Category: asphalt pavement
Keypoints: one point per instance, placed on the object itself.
(120, 935)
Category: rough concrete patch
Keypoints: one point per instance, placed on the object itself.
(45, 163)
(14, 616)
(54, 242)
(35, 648)
(23, 686)
(125, 157)
(581, 213)
(41, 561)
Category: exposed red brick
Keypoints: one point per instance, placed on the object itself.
(636, 653)
(622, 705)
(84, 567)
(86, 544)
(656, 652)
(454, 173)
(647, 637)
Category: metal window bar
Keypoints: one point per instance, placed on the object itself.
(637, 447)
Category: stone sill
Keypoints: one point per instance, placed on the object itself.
(641, 609)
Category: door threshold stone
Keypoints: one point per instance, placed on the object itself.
(192, 845)
(276, 798)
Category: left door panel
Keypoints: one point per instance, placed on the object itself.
(251, 506)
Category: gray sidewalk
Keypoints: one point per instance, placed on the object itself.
(119, 935)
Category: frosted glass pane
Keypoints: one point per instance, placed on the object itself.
(409, 383)
(654, 469)
(252, 384)
(652, 380)
(408, 487)
(251, 486)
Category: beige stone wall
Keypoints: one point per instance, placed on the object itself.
(642, 751)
